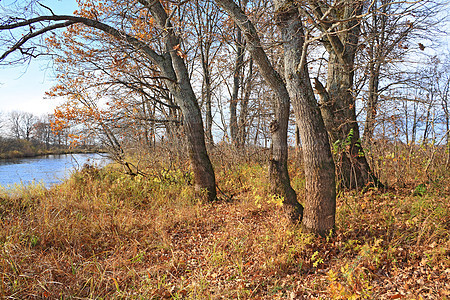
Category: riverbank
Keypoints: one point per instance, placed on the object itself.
(13, 148)
(17, 154)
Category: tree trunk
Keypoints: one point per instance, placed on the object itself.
(320, 201)
(278, 172)
(339, 114)
(427, 124)
(415, 120)
(340, 38)
(208, 111)
(206, 90)
(280, 183)
(243, 115)
(372, 103)
(173, 66)
(237, 82)
(204, 178)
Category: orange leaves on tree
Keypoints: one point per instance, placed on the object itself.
(180, 53)
(143, 26)
(402, 45)
(90, 9)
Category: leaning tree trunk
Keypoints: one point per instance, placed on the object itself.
(278, 171)
(173, 66)
(320, 200)
(340, 38)
(204, 178)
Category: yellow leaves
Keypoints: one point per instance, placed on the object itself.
(258, 199)
(151, 22)
(58, 125)
(332, 276)
(88, 9)
(276, 199)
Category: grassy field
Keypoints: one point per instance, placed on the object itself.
(105, 235)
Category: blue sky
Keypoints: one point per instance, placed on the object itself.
(23, 87)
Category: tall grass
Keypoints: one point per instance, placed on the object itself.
(106, 235)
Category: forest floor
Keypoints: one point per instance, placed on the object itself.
(106, 235)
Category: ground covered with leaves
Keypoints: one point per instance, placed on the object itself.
(106, 235)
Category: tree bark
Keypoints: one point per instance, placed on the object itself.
(340, 39)
(207, 96)
(372, 103)
(173, 66)
(278, 171)
(237, 82)
(243, 115)
(320, 201)
(353, 169)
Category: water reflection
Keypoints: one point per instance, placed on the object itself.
(48, 170)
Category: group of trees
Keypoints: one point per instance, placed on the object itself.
(196, 70)
(24, 134)
(21, 125)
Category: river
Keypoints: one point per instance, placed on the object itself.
(49, 170)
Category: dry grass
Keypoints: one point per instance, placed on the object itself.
(104, 235)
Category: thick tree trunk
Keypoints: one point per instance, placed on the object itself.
(340, 38)
(173, 66)
(278, 172)
(320, 201)
(204, 178)
(339, 114)
(278, 169)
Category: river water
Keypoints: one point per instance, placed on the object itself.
(48, 170)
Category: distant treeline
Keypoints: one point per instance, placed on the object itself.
(26, 135)
(17, 148)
